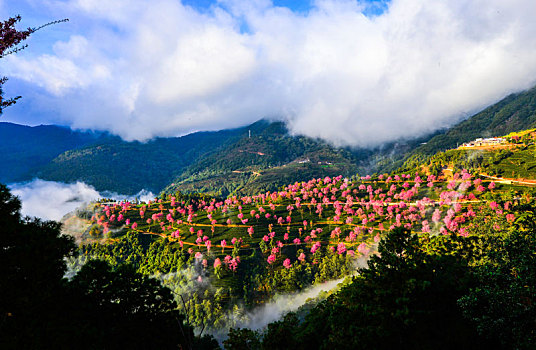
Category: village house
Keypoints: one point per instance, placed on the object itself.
(491, 141)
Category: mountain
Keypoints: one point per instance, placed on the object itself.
(25, 149)
(259, 157)
(513, 113)
(266, 158)
(128, 167)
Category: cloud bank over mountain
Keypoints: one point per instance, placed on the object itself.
(50, 200)
(142, 69)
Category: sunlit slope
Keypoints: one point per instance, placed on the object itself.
(514, 113)
(511, 161)
(268, 159)
(251, 247)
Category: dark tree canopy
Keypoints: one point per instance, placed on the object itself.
(100, 307)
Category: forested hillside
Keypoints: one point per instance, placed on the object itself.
(225, 257)
(128, 167)
(24, 149)
(513, 113)
(266, 160)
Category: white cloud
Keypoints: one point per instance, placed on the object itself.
(51, 200)
(260, 317)
(143, 69)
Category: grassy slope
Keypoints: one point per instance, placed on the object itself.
(370, 217)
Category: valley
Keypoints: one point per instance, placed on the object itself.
(254, 175)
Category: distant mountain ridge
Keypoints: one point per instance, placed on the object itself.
(266, 158)
(229, 161)
(105, 161)
(216, 162)
(25, 149)
(128, 167)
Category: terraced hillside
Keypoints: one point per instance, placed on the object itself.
(224, 253)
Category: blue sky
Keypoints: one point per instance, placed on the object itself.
(376, 8)
(294, 5)
(351, 72)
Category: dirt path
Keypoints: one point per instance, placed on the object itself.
(510, 181)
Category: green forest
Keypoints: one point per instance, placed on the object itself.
(429, 261)
(414, 248)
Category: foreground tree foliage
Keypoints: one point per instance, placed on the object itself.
(99, 308)
(425, 292)
(406, 299)
(502, 305)
(31, 270)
